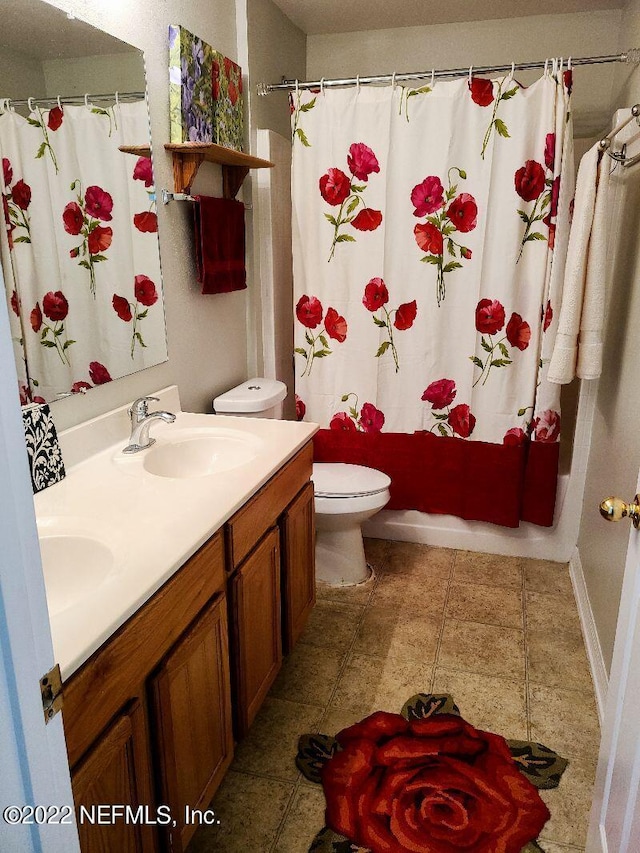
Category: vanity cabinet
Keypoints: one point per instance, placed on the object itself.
(149, 717)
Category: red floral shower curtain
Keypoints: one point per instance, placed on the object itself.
(430, 232)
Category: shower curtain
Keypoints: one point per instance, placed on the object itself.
(430, 228)
(79, 249)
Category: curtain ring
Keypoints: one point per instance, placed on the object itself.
(546, 67)
(117, 101)
(357, 84)
(561, 65)
(393, 80)
(322, 85)
(513, 69)
(30, 104)
(297, 88)
(86, 100)
(433, 77)
(59, 104)
(569, 64)
(470, 74)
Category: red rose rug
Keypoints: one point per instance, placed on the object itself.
(426, 781)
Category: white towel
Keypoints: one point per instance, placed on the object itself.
(584, 291)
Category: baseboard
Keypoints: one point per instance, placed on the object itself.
(589, 632)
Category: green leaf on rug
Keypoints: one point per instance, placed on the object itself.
(424, 705)
(328, 841)
(542, 766)
(313, 753)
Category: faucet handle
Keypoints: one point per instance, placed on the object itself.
(140, 407)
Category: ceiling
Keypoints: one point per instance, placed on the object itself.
(337, 16)
(44, 32)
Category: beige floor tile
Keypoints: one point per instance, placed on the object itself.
(570, 804)
(492, 704)
(558, 660)
(423, 560)
(490, 569)
(547, 577)
(308, 675)
(336, 719)
(379, 684)
(550, 847)
(486, 649)
(411, 593)
(304, 821)
(385, 632)
(482, 603)
(270, 747)
(564, 720)
(376, 551)
(332, 625)
(552, 614)
(249, 809)
(359, 593)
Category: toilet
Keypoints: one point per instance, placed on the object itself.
(344, 495)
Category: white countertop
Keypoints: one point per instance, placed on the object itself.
(151, 524)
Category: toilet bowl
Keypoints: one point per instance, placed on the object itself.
(345, 496)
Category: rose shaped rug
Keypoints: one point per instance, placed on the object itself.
(426, 781)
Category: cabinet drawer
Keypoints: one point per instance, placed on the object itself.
(95, 693)
(260, 513)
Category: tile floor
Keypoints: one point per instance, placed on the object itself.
(501, 634)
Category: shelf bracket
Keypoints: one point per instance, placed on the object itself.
(232, 178)
(185, 169)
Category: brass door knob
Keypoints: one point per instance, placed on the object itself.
(615, 509)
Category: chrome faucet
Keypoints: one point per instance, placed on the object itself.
(141, 419)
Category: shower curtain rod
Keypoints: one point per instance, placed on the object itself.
(630, 56)
(76, 99)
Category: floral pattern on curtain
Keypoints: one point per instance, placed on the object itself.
(79, 250)
(430, 229)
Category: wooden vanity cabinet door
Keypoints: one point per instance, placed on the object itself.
(298, 566)
(192, 713)
(113, 772)
(255, 609)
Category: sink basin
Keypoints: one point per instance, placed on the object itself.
(199, 453)
(74, 565)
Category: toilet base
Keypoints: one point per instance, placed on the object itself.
(340, 559)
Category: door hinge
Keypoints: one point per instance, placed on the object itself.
(51, 692)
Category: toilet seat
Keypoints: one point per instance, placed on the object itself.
(335, 480)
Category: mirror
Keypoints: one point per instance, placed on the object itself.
(79, 251)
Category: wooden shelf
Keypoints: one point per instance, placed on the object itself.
(187, 157)
(138, 150)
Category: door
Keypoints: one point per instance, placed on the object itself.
(298, 566)
(116, 772)
(192, 703)
(615, 815)
(255, 608)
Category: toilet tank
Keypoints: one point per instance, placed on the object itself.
(255, 398)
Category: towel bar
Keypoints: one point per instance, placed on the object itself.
(621, 155)
(169, 196)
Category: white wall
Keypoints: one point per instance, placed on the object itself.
(20, 75)
(482, 43)
(98, 75)
(615, 448)
(207, 335)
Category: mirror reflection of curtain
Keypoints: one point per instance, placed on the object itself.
(79, 251)
(430, 228)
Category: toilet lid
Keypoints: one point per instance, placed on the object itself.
(339, 480)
